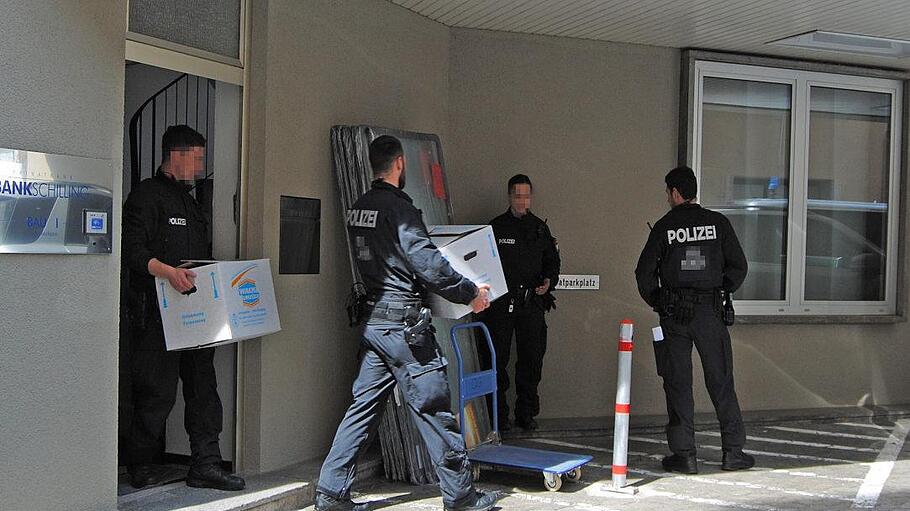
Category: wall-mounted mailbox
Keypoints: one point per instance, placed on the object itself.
(299, 235)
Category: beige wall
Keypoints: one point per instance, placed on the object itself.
(325, 63)
(594, 125)
(61, 91)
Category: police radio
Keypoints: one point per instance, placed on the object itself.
(729, 314)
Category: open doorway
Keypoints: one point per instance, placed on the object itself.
(155, 99)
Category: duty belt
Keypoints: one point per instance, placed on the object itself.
(393, 311)
(698, 295)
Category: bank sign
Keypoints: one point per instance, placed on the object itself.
(54, 204)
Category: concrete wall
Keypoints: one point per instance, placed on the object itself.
(319, 63)
(62, 92)
(595, 126)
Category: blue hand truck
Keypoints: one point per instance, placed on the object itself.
(492, 453)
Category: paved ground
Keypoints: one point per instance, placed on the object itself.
(807, 465)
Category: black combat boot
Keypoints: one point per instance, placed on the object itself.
(736, 459)
(680, 463)
(328, 503)
(526, 424)
(145, 475)
(483, 501)
(213, 476)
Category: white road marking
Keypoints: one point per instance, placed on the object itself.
(757, 453)
(795, 442)
(798, 473)
(558, 502)
(647, 492)
(827, 433)
(639, 454)
(740, 484)
(861, 425)
(871, 489)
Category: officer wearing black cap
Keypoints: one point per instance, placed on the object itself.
(398, 265)
(163, 225)
(691, 261)
(530, 261)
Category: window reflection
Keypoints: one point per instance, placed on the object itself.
(847, 217)
(745, 174)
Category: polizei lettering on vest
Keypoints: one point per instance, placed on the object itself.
(699, 233)
(362, 218)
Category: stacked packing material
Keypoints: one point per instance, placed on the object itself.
(405, 457)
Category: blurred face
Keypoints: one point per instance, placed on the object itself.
(187, 165)
(520, 198)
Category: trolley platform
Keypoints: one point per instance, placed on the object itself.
(553, 465)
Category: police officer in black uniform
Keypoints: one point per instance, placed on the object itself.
(398, 264)
(163, 225)
(530, 262)
(691, 261)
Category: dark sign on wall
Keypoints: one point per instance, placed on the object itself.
(299, 235)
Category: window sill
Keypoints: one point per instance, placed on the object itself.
(868, 319)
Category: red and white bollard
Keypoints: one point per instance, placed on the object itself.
(623, 408)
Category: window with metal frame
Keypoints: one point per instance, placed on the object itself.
(806, 165)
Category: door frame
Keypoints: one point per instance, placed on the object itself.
(176, 57)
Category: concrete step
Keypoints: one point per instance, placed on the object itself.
(288, 489)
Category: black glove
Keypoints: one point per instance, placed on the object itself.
(665, 304)
(546, 301)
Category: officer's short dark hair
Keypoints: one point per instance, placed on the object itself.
(383, 152)
(683, 179)
(520, 179)
(180, 137)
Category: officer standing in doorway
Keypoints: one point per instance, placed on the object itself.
(398, 264)
(530, 261)
(163, 225)
(691, 261)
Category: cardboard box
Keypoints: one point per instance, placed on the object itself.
(472, 251)
(233, 301)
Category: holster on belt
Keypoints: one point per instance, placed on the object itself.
(677, 304)
(141, 308)
(356, 304)
(417, 321)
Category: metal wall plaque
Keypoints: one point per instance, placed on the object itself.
(579, 282)
(55, 204)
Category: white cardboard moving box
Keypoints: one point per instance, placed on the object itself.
(472, 252)
(233, 301)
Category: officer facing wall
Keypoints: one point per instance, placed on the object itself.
(691, 261)
(162, 225)
(530, 261)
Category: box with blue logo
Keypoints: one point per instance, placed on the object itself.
(472, 252)
(233, 301)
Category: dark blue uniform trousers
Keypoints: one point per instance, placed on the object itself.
(674, 363)
(154, 375)
(529, 327)
(420, 371)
